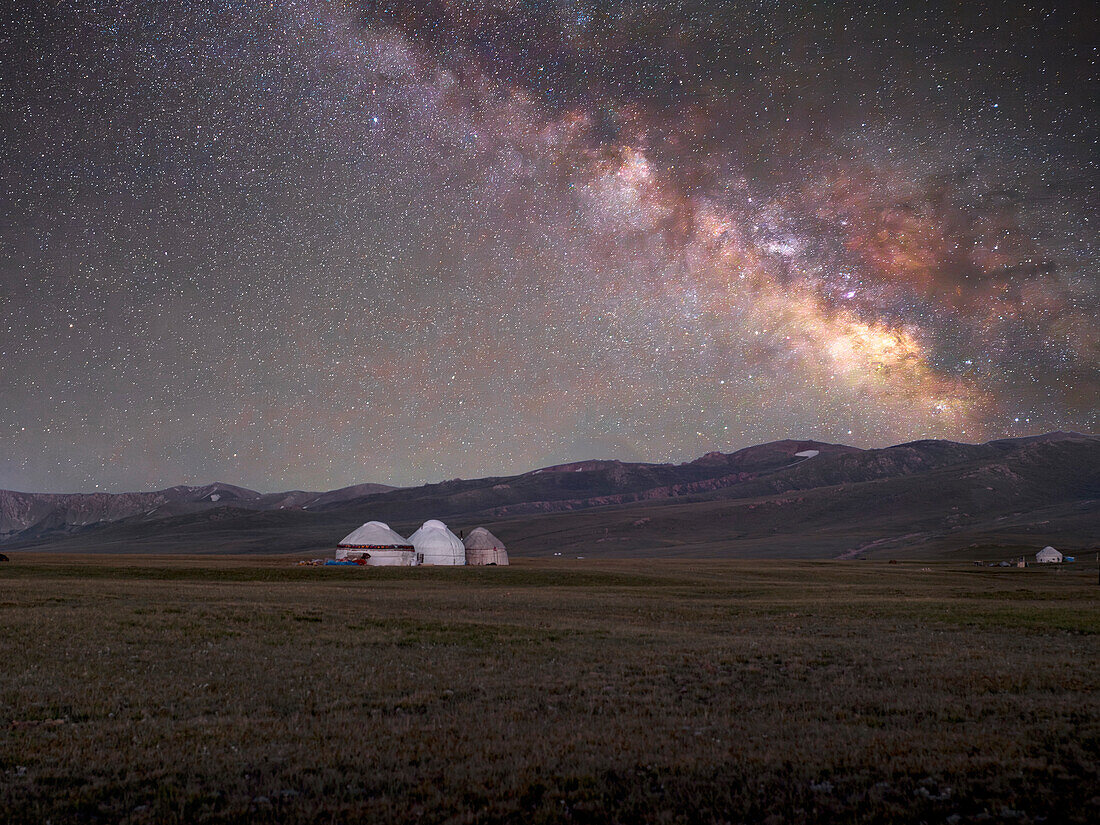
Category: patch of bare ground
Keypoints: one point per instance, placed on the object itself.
(179, 691)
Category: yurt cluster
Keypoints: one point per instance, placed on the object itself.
(375, 544)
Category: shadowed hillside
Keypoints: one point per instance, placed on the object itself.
(26, 515)
(783, 499)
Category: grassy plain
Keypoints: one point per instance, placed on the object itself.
(228, 690)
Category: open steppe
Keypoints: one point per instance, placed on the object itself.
(160, 689)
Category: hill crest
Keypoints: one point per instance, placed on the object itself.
(827, 499)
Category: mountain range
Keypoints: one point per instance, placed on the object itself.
(783, 499)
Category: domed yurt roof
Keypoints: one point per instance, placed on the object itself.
(482, 547)
(437, 544)
(481, 539)
(375, 535)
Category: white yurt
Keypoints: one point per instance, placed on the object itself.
(1048, 555)
(435, 544)
(380, 545)
(482, 547)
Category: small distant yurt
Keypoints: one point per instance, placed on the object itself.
(482, 547)
(378, 544)
(435, 544)
(1048, 555)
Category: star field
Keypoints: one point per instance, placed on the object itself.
(309, 244)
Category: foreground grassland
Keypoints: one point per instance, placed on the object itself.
(222, 690)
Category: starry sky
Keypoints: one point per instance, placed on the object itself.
(305, 244)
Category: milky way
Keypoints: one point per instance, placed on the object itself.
(308, 244)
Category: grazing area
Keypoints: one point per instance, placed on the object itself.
(158, 689)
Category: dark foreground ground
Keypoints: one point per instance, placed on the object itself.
(229, 690)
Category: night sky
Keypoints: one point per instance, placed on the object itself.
(309, 244)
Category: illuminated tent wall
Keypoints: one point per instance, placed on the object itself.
(1048, 555)
(435, 544)
(482, 547)
(381, 546)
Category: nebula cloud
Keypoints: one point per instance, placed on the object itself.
(315, 244)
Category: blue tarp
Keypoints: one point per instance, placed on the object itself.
(334, 563)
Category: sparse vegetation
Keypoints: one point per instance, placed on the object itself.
(172, 690)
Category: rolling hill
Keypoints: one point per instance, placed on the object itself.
(781, 499)
(25, 515)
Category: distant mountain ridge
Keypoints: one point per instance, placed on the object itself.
(791, 497)
(42, 512)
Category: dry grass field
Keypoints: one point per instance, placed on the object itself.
(146, 690)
